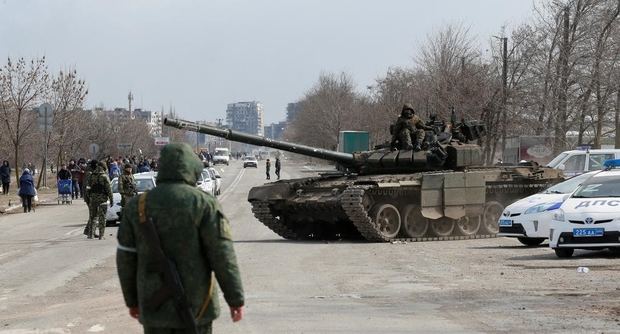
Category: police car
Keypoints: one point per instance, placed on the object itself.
(590, 217)
(529, 219)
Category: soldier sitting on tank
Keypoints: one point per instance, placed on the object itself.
(408, 131)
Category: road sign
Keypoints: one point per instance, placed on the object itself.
(162, 141)
(93, 149)
(123, 146)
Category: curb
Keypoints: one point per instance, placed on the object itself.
(17, 206)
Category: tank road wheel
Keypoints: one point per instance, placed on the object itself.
(442, 227)
(386, 219)
(467, 225)
(492, 211)
(414, 224)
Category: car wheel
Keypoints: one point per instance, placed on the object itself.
(531, 241)
(615, 251)
(564, 252)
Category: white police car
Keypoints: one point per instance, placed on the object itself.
(590, 217)
(529, 219)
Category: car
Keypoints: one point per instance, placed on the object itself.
(576, 162)
(215, 176)
(590, 217)
(250, 162)
(206, 183)
(221, 156)
(144, 181)
(529, 219)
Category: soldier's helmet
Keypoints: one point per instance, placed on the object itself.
(407, 111)
(93, 164)
(128, 166)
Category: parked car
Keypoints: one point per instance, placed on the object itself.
(590, 217)
(529, 219)
(576, 162)
(250, 162)
(215, 176)
(206, 183)
(144, 181)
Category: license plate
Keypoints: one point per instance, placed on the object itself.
(505, 222)
(588, 232)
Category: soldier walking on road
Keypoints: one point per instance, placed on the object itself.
(268, 169)
(98, 192)
(278, 166)
(127, 185)
(173, 243)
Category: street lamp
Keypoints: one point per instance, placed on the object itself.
(504, 88)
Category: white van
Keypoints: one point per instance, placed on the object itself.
(576, 162)
(221, 156)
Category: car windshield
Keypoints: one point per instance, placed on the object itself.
(602, 186)
(569, 185)
(205, 176)
(142, 185)
(221, 152)
(249, 159)
(556, 161)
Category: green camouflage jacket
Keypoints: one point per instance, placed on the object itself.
(126, 185)
(194, 234)
(98, 188)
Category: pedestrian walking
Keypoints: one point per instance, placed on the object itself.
(268, 168)
(278, 167)
(63, 173)
(26, 190)
(98, 192)
(176, 223)
(5, 177)
(76, 177)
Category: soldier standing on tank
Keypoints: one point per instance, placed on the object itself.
(98, 192)
(196, 235)
(278, 167)
(408, 126)
(127, 185)
(268, 169)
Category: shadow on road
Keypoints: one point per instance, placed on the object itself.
(510, 247)
(304, 242)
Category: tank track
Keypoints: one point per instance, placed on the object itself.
(262, 212)
(351, 202)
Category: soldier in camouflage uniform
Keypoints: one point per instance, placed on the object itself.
(126, 185)
(408, 126)
(98, 193)
(194, 233)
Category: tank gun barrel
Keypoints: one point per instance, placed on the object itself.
(345, 159)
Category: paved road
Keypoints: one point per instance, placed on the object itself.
(53, 280)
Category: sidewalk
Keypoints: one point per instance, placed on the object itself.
(12, 202)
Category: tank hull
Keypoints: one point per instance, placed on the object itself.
(446, 205)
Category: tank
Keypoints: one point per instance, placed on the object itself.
(440, 193)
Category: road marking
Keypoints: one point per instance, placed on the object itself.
(74, 232)
(232, 186)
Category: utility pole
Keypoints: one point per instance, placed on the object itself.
(504, 91)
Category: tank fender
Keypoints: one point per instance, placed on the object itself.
(270, 191)
(453, 195)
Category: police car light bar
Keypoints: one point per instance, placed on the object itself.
(609, 164)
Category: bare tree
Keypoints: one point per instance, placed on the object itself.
(23, 86)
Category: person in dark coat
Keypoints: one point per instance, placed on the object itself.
(26, 190)
(5, 177)
(278, 167)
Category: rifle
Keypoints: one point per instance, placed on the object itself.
(173, 287)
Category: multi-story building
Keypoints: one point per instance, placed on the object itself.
(292, 109)
(121, 115)
(245, 117)
(275, 130)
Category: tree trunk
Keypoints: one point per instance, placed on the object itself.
(618, 116)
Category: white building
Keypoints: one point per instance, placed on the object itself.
(245, 117)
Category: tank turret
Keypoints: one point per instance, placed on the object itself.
(443, 153)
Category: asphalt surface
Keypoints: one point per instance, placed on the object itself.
(54, 280)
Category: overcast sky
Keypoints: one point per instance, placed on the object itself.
(201, 55)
